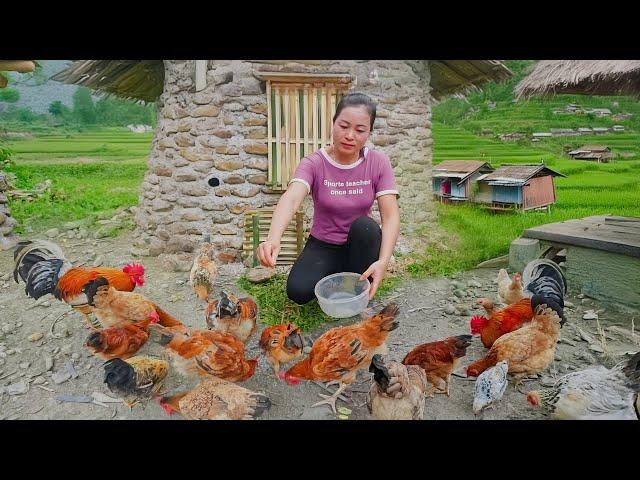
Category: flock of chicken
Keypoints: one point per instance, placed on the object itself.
(521, 338)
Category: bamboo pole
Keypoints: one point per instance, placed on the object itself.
(270, 158)
(278, 147)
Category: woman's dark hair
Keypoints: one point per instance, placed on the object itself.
(357, 100)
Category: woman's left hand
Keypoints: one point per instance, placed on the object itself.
(376, 271)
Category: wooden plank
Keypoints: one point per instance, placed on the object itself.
(314, 112)
(323, 118)
(622, 219)
(305, 120)
(287, 138)
(269, 134)
(625, 244)
(298, 118)
(278, 161)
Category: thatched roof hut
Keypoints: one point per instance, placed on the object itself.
(143, 79)
(584, 77)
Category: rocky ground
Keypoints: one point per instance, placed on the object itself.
(46, 373)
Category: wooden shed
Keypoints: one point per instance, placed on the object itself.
(520, 187)
(453, 179)
(598, 153)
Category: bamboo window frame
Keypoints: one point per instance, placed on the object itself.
(304, 111)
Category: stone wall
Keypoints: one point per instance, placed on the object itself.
(219, 135)
(7, 222)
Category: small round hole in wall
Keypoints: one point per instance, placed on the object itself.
(213, 182)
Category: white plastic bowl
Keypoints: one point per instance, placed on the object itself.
(342, 295)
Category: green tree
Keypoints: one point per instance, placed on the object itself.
(58, 109)
(84, 110)
(9, 95)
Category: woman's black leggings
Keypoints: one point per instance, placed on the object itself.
(319, 259)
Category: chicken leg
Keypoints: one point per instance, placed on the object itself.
(331, 399)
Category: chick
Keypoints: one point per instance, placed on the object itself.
(204, 271)
(281, 344)
(490, 386)
(135, 378)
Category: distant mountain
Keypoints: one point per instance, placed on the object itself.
(38, 97)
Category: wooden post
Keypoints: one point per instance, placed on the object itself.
(256, 238)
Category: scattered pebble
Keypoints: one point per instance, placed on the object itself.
(25, 365)
(34, 337)
(101, 397)
(8, 327)
(11, 351)
(39, 381)
(450, 310)
(596, 348)
(75, 355)
(60, 377)
(260, 274)
(590, 315)
(580, 295)
(48, 362)
(19, 388)
(547, 381)
(569, 305)
(459, 293)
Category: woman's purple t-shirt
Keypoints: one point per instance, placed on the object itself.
(342, 193)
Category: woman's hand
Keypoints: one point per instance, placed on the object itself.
(268, 253)
(376, 270)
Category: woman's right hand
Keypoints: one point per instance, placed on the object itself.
(268, 253)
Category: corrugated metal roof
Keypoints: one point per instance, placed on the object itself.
(595, 148)
(519, 173)
(460, 166)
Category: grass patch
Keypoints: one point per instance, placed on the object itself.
(275, 306)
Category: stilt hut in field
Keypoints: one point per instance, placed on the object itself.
(518, 187)
(453, 180)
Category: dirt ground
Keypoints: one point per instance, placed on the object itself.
(31, 367)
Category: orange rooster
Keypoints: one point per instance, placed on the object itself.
(42, 266)
(339, 353)
(439, 359)
(116, 309)
(502, 321)
(121, 342)
(232, 315)
(528, 350)
(281, 344)
(208, 352)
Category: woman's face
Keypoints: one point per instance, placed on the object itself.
(351, 130)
